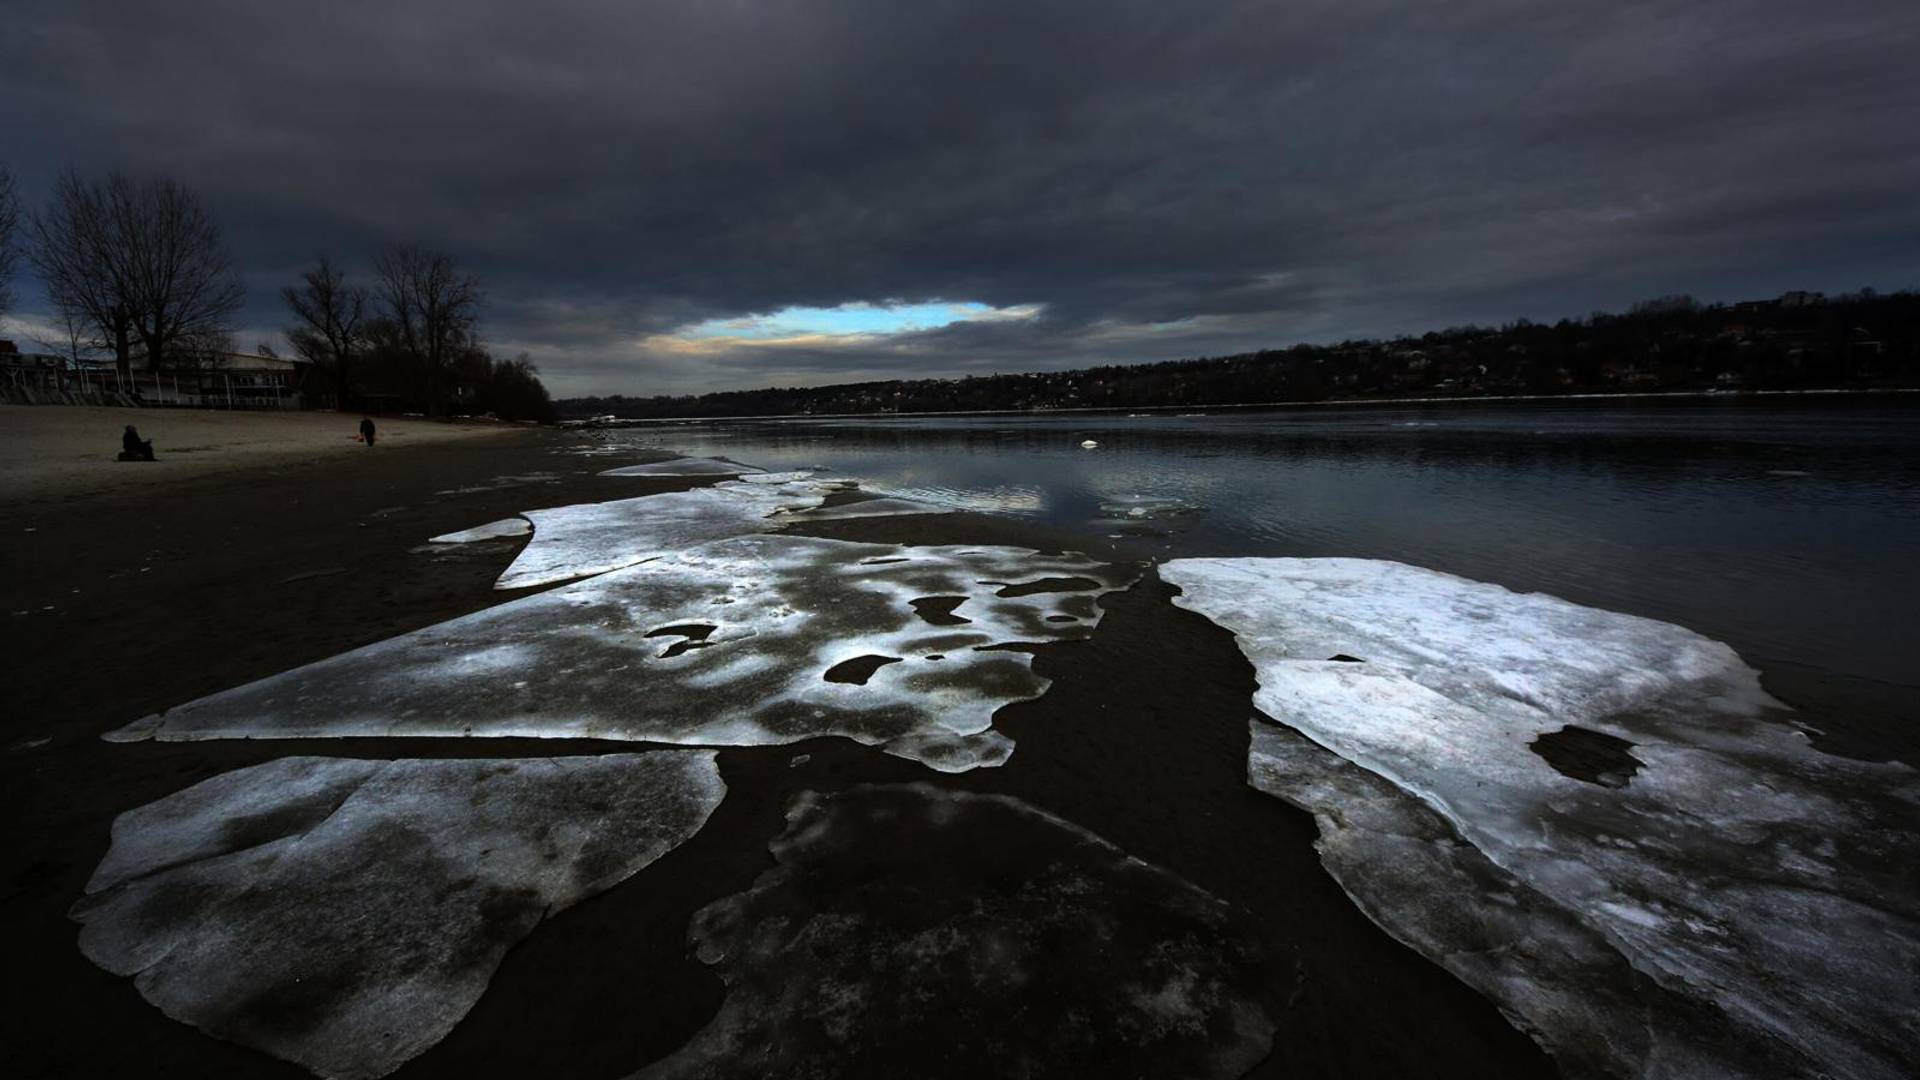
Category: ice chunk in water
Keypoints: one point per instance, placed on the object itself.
(493, 530)
(1406, 867)
(346, 914)
(684, 466)
(782, 611)
(591, 538)
(863, 508)
(1736, 867)
(903, 921)
(1138, 507)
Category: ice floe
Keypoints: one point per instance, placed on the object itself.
(996, 500)
(905, 921)
(881, 506)
(1406, 867)
(592, 538)
(1734, 865)
(492, 530)
(345, 914)
(727, 643)
(684, 466)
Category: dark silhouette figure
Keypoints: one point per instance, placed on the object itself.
(366, 430)
(133, 447)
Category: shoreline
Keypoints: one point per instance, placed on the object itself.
(579, 423)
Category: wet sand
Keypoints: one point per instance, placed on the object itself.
(139, 599)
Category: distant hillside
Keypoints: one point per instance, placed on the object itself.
(1797, 341)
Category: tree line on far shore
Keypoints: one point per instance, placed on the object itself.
(138, 266)
(1797, 341)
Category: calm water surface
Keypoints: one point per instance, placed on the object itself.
(1789, 530)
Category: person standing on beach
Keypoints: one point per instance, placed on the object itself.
(366, 430)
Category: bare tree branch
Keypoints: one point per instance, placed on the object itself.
(73, 252)
(331, 332)
(9, 236)
(434, 309)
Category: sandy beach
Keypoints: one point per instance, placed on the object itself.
(69, 451)
(132, 600)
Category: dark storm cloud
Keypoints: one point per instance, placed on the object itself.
(1157, 179)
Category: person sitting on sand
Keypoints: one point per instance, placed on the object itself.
(133, 447)
(366, 430)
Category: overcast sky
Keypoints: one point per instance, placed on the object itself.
(682, 196)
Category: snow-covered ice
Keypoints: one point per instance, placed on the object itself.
(904, 921)
(592, 538)
(493, 530)
(1738, 868)
(751, 641)
(346, 914)
(684, 466)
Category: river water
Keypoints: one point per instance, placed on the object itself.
(1790, 530)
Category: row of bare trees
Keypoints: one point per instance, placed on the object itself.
(139, 264)
(411, 337)
(416, 321)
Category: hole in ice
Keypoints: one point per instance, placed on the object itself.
(936, 656)
(694, 635)
(882, 562)
(1592, 756)
(859, 669)
(1345, 659)
(938, 610)
(1047, 585)
(1062, 618)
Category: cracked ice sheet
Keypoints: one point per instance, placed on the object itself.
(902, 921)
(592, 538)
(1739, 868)
(783, 610)
(493, 530)
(346, 914)
(684, 466)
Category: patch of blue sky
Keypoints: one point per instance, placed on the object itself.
(846, 319)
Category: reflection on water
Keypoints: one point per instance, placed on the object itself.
(1791, 531)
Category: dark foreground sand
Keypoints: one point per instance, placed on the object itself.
(120, 604)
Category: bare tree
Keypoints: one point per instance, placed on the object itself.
(434, 308)
(9, 236)
(332, 325)
(184, 288)
(73, 253)
(139, 261)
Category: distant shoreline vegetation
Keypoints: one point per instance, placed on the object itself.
(1670, 347)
